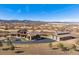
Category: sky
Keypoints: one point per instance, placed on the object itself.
(40, 12)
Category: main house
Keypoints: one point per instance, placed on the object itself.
(57, 35)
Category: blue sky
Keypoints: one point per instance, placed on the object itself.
(40, 12)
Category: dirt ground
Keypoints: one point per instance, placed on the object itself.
(40, 49)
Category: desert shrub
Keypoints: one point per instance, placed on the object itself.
(5, 49)
(63, 48)
(77, 42)
(19, 51)
(12, 47)
(1, 44)
(9, 48)
(24, 39)
(60, 45)
(50, 45)
(36, 37)
(9, 43)
(74, 46)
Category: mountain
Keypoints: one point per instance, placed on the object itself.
(33, 22)
(23, 21)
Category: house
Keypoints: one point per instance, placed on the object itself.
(22, 33)
(59, 36)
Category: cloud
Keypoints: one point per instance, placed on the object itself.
(67, 20)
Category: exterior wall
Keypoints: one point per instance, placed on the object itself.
(51, 37)
(54, 38)
(58, 39)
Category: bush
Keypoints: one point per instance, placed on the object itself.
(24, 39)
(76, 48)
(19, 51)
(5, 49)
(9, 43)
(73, 46)
(12, 47)
(36, 37)
(61, 45)
(50, 45)
(77, 42)
(65, 49)
(1, 44)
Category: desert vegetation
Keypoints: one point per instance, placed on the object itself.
(22, 32)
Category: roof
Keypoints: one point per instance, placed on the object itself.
(67, 35)
(41, 33)
(22, 30)
(61, 33)
(13, 32)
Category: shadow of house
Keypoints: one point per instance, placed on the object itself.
(67, 38)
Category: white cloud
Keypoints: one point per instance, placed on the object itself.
(69, 20)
